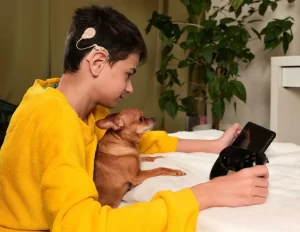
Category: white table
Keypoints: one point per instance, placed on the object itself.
(285, 98)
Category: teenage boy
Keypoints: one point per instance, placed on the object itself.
(47, 158)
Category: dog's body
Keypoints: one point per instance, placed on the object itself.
(117, 160)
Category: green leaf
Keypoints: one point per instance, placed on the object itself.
(262, 9)
(183, 64)
(290, 1)
(238, 90)
(173, 73)
(186, 3)
(167, 49)
(214, 87)
(287, 25)
(189, 104)
(184, 45)
(226, 91)
(171, 108)
(255, 20)
(226, 20)
(191, 39)
(244, 36)
(272, 44)
(274, 6)
(238, 12)
(286, 39)
(210, 74)
(209, 24)
(165, 40)
(168, 102)
(234, 68)
(161, 76)
(200, 6)
(218, 108)
(236, 4)
(207, 54)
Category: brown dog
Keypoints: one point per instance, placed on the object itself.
(117, 160)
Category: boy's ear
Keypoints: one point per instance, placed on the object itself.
(97, 60)
(110, 122)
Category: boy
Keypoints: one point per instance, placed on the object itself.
(47, 158)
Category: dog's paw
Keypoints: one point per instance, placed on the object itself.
(175, 172)
(180, 173)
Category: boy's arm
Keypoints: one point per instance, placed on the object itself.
(70, 201)
(160, 142)
(157, 142)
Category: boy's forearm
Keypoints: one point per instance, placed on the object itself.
(192, 145)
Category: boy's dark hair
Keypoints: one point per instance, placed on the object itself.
(113, 31)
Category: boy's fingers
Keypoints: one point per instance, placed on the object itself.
(256, 200)
(260, 171)
(261, 192)
(262, 182)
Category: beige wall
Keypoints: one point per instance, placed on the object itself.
(257, 76)
(24, 45)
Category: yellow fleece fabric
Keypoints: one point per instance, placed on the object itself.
(46, 174)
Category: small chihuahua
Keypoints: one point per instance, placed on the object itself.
(117, 159)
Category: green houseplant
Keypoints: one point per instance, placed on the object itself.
(216, 45)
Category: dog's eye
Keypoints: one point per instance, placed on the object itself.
(141, 119)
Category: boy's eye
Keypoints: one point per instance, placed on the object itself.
(128, 75)
(141, 119)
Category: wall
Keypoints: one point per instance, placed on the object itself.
(257, 76)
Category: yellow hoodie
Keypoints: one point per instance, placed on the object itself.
(46, 174)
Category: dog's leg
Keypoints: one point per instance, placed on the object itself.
(145, 174)
(150, 158)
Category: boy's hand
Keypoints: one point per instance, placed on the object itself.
(246, 187)
(228, 137)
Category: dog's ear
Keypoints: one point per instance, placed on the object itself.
(112, 121)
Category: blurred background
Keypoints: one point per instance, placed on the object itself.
(32, 40)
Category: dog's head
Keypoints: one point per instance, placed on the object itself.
(129, 122)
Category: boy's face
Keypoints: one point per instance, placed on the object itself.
(114, 81)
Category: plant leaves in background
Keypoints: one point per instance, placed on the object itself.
(207, 54)
(262, 9)
(171, 108)
(168, 102)
(218, 108)
(238, 89)
(183, 64)
(214, 49)
(274, 6)
(236, 4)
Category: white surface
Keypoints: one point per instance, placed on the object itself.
(285, 102)
(279, 213)
(291, 77)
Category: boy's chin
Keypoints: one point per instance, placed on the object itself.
(110, 105)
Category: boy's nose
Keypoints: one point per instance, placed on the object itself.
(129, 88)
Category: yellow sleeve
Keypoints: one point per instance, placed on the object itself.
(70, 201)
(157, 142)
